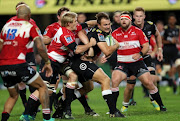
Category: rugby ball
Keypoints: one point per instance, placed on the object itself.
(110, 40)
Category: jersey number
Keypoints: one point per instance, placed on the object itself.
(11, 34)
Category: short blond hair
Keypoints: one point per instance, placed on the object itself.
(139, 9)
(67, 18)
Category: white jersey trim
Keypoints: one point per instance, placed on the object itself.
(57, 57)
(126, 58)
(21, 56)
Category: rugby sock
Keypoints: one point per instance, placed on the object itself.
(115, 94)
(46, 113)
(32, 105)
(69, 95)
(82, 99)
(5, 116)
(84, 102)
(108, 97)
(23, 96)
(154, 94)
(126, 104)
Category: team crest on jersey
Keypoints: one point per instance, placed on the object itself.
(101, 37)
(68, 39)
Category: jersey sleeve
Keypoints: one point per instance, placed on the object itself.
(68, 41)
(79, 28)
(34, 32)
(142, 37)
(48, 32)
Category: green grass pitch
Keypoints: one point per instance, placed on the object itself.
(143, 111)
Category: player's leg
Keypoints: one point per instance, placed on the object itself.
(11, 101)
(154, 93)
(128, 93)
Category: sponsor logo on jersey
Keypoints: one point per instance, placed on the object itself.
(8, 73)
(101, 37)
(68, 39)
(83, 66)
(125, 36)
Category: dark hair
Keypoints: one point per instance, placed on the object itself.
(101, 15)
(139, 9)
(62, 9)
(171, 15)
(126, 12)
(159, 22)
(20, 3)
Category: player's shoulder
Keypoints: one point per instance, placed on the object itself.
(166, 27)
(96, 30)
(135, 28)
(116, 31)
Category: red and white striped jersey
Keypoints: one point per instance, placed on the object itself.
(31, 43)
(130, 42)
(51, 30)
(58, 50)
(16, 34)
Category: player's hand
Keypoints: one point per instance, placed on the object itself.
(174, 40)
(159, 54)
(48, 69)
(103, 59)
(153, 54)
(93, 42)
(136, 56)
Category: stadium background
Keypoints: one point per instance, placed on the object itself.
(44, 11)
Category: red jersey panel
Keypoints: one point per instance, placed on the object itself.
(58, 50)
(130, 42)
(31, 43)
(16, 33)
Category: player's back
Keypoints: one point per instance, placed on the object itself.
(16, 35)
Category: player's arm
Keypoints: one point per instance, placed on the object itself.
(91, 23)
(144, 42)
(47, 40)
(107, 50)
(38, 42)
(154, 47)
(83, 37)
(82, 48)
(41, 48)
(1, 44)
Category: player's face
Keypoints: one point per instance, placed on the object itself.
(125, 23)
(172, 20)
(105, 25)
(139, 17)
(73, 24)
(81, 18)
(117, 18)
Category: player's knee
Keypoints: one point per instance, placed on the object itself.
(14, 95)
(148, 84)
(73, 76)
